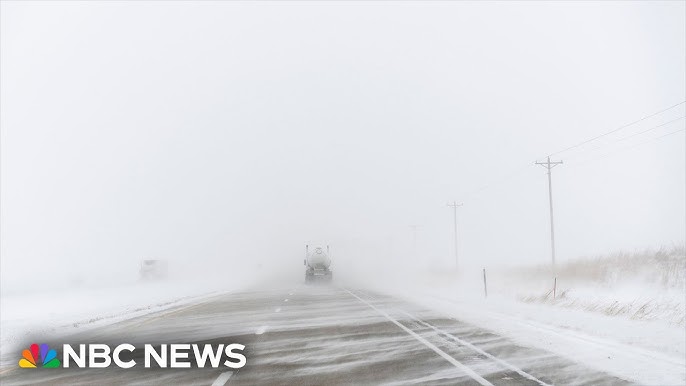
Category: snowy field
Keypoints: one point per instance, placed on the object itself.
(25, 316)
(642, 285)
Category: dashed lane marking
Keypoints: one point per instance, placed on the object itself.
(222, 378)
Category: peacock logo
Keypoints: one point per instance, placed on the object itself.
(42, 356)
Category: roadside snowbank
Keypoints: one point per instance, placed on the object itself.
(31, 315)
(629, 325)
(643, 285)
(647, 352)
(632, 302)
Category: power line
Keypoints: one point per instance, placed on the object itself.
(651, 129)
(519, 171)
(673, 132)
(513, 173)
(605, 155)
(549, 165)
(617, 129)
(635, 134)
(504, 177)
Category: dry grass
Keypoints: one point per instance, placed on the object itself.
(661, 271)
(665, 267)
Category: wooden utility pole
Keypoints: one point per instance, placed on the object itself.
(549, 165)
(454, 205)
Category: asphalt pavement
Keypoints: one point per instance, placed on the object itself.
(320, 335)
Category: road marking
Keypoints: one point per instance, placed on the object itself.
(261, 330)
(285, 300)
(629, 352)
(480, 351)
(428, 344)
(278, 309)
(171, 311)
(7, 370)
(222, 378)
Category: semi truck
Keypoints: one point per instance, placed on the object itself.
(317, 265)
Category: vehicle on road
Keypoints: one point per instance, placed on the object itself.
(152, 269)
(317, 263)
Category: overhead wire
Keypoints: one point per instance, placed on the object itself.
(634, 135)
(650, 129)
(616, 129)
(607, 154)
(518, 171)
(673, 132)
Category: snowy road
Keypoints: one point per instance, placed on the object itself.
(322, 335)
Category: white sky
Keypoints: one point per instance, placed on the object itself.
(227, 132)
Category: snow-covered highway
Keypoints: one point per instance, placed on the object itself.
(321, 335)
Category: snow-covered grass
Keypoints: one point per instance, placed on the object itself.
(662, 268)
(646, 352)
(644, 306)
(644, 285)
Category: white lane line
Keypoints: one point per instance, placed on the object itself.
(285, 300)
(480, 351)
(428, 344)
(278, 309)
(222, 378)
(261, 330)
(7, 370)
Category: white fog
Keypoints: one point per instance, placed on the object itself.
(223, 137)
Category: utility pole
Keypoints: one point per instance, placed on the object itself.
(454, 205)
(549, 165)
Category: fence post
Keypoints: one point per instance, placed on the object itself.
(485, 288)
(554, 287)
